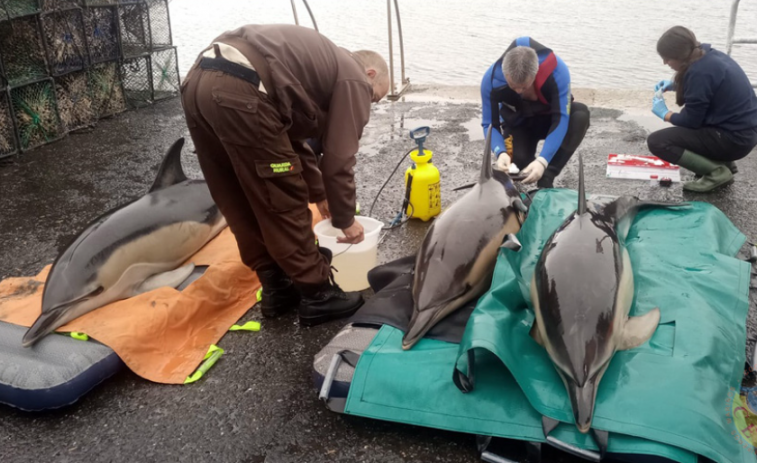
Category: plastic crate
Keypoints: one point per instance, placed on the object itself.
(23, 52)
(107, 89)
(145, 26)
(8, 142)
(64, 40)
(35, 113)
(136, 76)
(10, 9)
(75, 103)
(57, 5)
(165, 74)
(101, 29)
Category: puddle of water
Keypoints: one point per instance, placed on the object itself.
(368, 150)
(475, 129)
(412, 123)
(647, 121)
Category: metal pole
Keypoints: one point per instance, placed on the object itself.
(312, 18)
(402, 49)
(294, 10)
(391, 54)
(732, 26)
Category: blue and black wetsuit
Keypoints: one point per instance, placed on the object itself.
(554, 117)
(719, 117)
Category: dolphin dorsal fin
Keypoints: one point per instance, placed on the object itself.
(486, 167)
(581, 189)
(170, 172)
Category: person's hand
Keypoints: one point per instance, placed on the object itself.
(663, 85)
(503, 161)
(535, 170)
(323, 209)
(353, 234)
(659, 108)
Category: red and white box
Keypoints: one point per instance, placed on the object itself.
(640, 167)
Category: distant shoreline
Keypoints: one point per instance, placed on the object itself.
(632, 99)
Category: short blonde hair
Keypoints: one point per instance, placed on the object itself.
(371, 59)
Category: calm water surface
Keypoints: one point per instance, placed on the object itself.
(606, 44)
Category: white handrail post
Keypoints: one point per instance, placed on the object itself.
(405, 84)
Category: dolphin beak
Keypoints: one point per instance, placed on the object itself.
(46, 323)
(582, 400)
(417, 328)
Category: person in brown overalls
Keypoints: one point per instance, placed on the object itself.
(251, 100)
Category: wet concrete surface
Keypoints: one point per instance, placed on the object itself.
(258, 403)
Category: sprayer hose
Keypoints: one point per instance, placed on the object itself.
(370, 211)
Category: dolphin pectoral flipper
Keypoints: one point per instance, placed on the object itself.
(171, 279)
(536, 334)
(639, 330)
(548, 425)
(518, 203)
(511, 242)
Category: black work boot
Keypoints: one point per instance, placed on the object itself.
(279, 295)
(326, 302)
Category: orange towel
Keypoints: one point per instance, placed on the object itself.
(161, 335)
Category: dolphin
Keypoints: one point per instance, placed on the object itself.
(131, 249)
(582, 291)
(459, 252)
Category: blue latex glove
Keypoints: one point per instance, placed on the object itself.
(664, 85)
(659, 108)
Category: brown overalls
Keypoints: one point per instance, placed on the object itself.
(250, 141)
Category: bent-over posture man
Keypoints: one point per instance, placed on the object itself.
(251, 100)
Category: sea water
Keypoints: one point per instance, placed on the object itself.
(608, 45)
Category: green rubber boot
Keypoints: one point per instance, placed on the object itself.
(712, 174)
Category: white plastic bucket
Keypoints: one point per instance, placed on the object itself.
(351, 261)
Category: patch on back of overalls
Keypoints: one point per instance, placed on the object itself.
(270, 169)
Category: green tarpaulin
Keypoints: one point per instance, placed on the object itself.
(669, 397)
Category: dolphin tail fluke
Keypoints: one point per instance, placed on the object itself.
(639, 330)
(582, 400)
(581, 187)
(170, 172)
(486, 167)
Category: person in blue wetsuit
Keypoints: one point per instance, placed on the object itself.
(718, 122)
(526, 94)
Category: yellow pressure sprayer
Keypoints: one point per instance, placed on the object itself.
(423, 199)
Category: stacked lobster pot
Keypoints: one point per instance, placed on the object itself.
(66, 64)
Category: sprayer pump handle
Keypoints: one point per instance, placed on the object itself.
(420, 133)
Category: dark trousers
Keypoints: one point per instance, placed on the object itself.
(527, 136)
(254, 174)
(710, 142)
